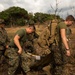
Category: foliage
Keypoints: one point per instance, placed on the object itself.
(42, 17)
(15, 16)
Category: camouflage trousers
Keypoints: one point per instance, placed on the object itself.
(15, 60)
(60, 61)
(1, 54)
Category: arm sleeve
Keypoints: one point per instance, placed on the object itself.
(20, 33)
(62, 26)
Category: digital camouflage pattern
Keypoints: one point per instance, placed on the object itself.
(4, 40)
(57, 65)
(44, 42)
(43, 47)
(62, 62)
(16, 60)
(29, 44)
(55, 69)
(24, 60)
(47, 36)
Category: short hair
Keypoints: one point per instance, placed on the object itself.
(33, 26)
(70, 18)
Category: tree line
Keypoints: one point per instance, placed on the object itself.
(17, 16)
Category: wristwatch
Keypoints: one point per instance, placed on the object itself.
(68, 49)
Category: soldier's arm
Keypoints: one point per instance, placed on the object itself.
(64, 39)
(17, 43)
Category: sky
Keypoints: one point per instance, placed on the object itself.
(45, 6)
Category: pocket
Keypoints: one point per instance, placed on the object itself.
(7, 51)
(57, 55)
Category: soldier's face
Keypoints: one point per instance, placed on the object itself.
(70, 23)
(31, 30)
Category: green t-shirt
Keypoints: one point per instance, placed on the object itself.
(23, 37)
(60, 26)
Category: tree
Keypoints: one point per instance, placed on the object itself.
(17, 13)
(56, 9)
(14, 15)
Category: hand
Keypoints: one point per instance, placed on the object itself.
(20, 51)
(68, 53)
(6, 46)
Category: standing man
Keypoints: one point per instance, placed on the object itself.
(3, 39)
(16, 54)
(63, 53)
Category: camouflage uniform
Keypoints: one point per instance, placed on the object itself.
(16, 59)
(43, 48)
(45, 41)
(59, 52)
(4, 40)
(28, 47)
(60, 63)
(47, 37)
(69, 66)
(29, 44)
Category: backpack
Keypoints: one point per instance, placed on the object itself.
(47, 36)
(53, 31)
(52, 28)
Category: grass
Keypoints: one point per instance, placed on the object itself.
(11, 31)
